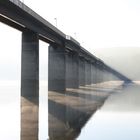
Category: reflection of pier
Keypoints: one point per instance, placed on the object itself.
(70, 66)
(69, 112)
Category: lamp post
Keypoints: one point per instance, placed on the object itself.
(55, 21)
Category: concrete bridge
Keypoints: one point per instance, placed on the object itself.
(70, 65)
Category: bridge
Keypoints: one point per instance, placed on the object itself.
(70, 64)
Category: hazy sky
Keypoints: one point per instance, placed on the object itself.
(97, 25)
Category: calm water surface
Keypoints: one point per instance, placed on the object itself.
(10, 111)
(118, 119)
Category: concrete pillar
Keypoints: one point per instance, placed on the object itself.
(104, 75)
(72, 69)
(95, 66)
(93, 73)
(101, 73)
(29, 86)
(57, 68)
(97, 73)
(75, 70)
(87, 72)
(81, 71)
(68, 68)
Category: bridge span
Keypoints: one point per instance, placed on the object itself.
(70, 65)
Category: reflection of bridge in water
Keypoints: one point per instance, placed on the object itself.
(79, 82)
(69, 112)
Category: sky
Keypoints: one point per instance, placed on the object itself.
(102, 23)
(107, 28)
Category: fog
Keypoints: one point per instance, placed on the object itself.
(118, 118)
(123, 59)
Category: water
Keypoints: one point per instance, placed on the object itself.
(69, 112)
(118, 119)
(10, 110)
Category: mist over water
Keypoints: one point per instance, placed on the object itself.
(123, 59)
(119, 118)
(10, 111)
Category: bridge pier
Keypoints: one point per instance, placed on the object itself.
(72, 69)
(87, 72)
(29, 86)
(81, 71)
(93, 73)
(57, 70)
(100, 73)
